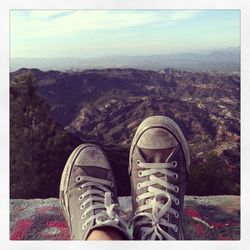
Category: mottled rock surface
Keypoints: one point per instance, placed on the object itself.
(206, 218)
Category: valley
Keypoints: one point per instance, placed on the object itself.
(105, 106)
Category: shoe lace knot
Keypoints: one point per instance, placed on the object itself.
(108, 216)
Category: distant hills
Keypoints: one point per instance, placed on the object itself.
(53, 111)
(221, 60)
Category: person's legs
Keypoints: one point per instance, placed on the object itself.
(159, 160)
(88, 196)
(106, 233)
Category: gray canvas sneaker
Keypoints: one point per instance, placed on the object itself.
(88, 193)
(158, 166)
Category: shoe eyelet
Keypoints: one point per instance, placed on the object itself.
(82, 206)
(83, 227)
(177, 202)
(176, 189)
(78, 178)
(80, 198)
(83, 216)
(174, 164)
(137, 199)
(176, 229)
(138, 162)
(80, 188)
(176, 215)
(101, 219)
(140, 173)
(175, 176)
(139, 186)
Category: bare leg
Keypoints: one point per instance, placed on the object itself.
(105, 233)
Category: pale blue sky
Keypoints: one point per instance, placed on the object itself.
(91, 33)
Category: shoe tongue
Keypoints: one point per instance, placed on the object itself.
(94, 171)
(156, 155)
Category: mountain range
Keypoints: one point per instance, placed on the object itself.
(53, 111)
(220, 60)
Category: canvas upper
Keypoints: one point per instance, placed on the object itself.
(159, 160)
(88, 193)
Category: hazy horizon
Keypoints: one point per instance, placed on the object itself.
(104, 33)
(227, 59)
(202, 52)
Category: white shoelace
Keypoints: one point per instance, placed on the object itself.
(151, 226)
(98, 197)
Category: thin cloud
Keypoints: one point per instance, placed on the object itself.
(183, 15)
(35, 24)
(90, 33)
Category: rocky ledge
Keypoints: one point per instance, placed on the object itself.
(206, 218)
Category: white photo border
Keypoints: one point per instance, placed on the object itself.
(242, 5)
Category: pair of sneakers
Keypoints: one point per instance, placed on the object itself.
(158, 169)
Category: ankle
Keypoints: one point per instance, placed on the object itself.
(105, 233)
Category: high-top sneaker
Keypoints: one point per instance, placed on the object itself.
(158, 166)
(88, 193)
